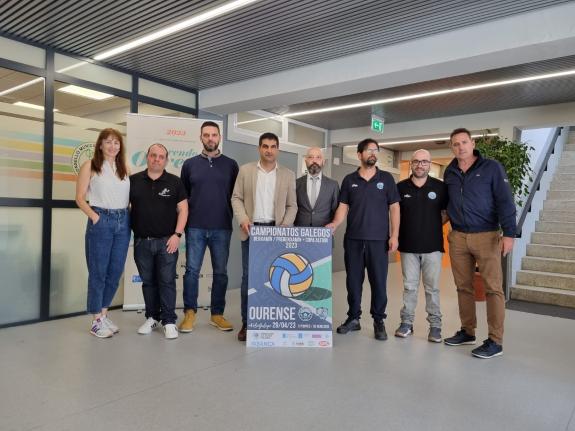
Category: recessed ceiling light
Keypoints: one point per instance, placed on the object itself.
(85, 92)
(433, 93)
(443, 138)
(190, 22)
(31, 106)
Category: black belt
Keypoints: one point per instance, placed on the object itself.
(269, 223)
(110, 211)
(151, 238)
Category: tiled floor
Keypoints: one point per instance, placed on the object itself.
(55, 376)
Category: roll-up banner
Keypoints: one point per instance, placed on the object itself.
(181, 136)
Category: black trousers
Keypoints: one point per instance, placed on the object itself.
(359, 256)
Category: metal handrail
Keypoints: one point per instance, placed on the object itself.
(535, 187)
(506, 261)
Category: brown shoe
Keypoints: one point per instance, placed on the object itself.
(220, 322)
(242, 335)
(189, 319)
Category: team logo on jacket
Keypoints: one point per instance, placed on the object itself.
(431, 195)
(380, 186)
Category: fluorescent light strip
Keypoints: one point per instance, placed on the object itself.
(446, 138)
(195, 20)
(85, 92)
(434, 93)
(31, 106)
(198, 19)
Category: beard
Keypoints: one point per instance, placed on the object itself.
(314, 169)
(371, 161)
(210, 146)
(420, 174)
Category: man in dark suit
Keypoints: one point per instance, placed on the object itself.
(317, 195)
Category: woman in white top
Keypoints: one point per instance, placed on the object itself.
(105, 181)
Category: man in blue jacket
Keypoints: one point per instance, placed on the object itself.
(480, 204)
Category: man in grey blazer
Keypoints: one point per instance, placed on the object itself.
(264, 194)
(317, 195)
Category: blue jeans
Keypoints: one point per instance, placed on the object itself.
(245, 272)
(218, 241)
(106, 249)
(157, 270)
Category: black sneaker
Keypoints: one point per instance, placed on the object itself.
(460, 337)
(349, 325)
(379, 330)
(489, 349)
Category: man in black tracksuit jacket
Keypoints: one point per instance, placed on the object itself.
(480, 203)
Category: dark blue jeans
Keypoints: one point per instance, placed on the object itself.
(360, 255)
(106, 248)
(218, 242)
(245, 272)
(157, 270)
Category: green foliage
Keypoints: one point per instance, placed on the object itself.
(515, 158)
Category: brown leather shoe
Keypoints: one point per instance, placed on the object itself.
(243, 333)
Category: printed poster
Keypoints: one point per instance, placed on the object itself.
(290, 287)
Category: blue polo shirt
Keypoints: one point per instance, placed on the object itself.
(369, 201)
(209, 182)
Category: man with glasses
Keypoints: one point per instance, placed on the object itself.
(423, 204)
(370, 200)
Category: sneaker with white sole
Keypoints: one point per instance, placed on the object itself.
(99, 329)
(170, 331)
(111, 325)
(149, 325)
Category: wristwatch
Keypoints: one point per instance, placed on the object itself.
(178, 234)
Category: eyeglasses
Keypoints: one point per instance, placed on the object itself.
(420, 162)
(372, 151)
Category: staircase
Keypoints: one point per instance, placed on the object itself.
(547, 274)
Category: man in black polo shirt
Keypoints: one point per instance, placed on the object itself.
(370, 200)
(159, 211)
(423, 212)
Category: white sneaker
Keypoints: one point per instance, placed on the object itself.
(149, 325)
(111, 325)
(99, 329)
(170, 331)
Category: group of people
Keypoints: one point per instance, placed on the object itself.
(381, 216)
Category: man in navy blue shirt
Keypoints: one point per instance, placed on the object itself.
(480, 202)
(209, 180)
(370, 200)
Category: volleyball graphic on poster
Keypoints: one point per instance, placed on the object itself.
(291, 275)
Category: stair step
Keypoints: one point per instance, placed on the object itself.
(546, 279)
(570, 146)
(555, 226)
(560, 194)
(566, 169)
(552, 215)
(545, 264)
(544, 295)
(553, 238)
(561, 185)
(562, 176)
(550, 251)
(568, 156)
(568, 205)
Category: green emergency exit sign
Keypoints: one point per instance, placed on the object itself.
(377, 124)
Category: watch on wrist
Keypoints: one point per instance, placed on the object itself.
(178, 234)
